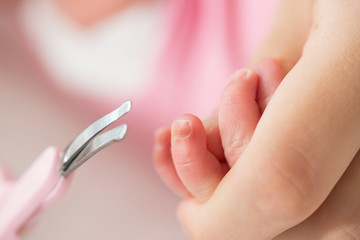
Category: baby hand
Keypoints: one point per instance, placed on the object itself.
(193, 156)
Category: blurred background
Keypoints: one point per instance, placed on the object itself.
(65, 63)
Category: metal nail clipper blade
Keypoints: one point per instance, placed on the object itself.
(90, 141)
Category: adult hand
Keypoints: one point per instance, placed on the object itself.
(306, 138)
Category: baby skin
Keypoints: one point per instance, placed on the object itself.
(193, 156)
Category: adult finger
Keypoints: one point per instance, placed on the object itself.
(343, 205)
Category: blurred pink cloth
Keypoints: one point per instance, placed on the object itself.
(205, 42)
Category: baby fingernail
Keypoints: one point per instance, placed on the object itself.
(181, 129)
(241, 74)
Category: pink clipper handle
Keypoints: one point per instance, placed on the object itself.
(39, 187)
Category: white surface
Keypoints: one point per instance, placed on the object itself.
(115, 56)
